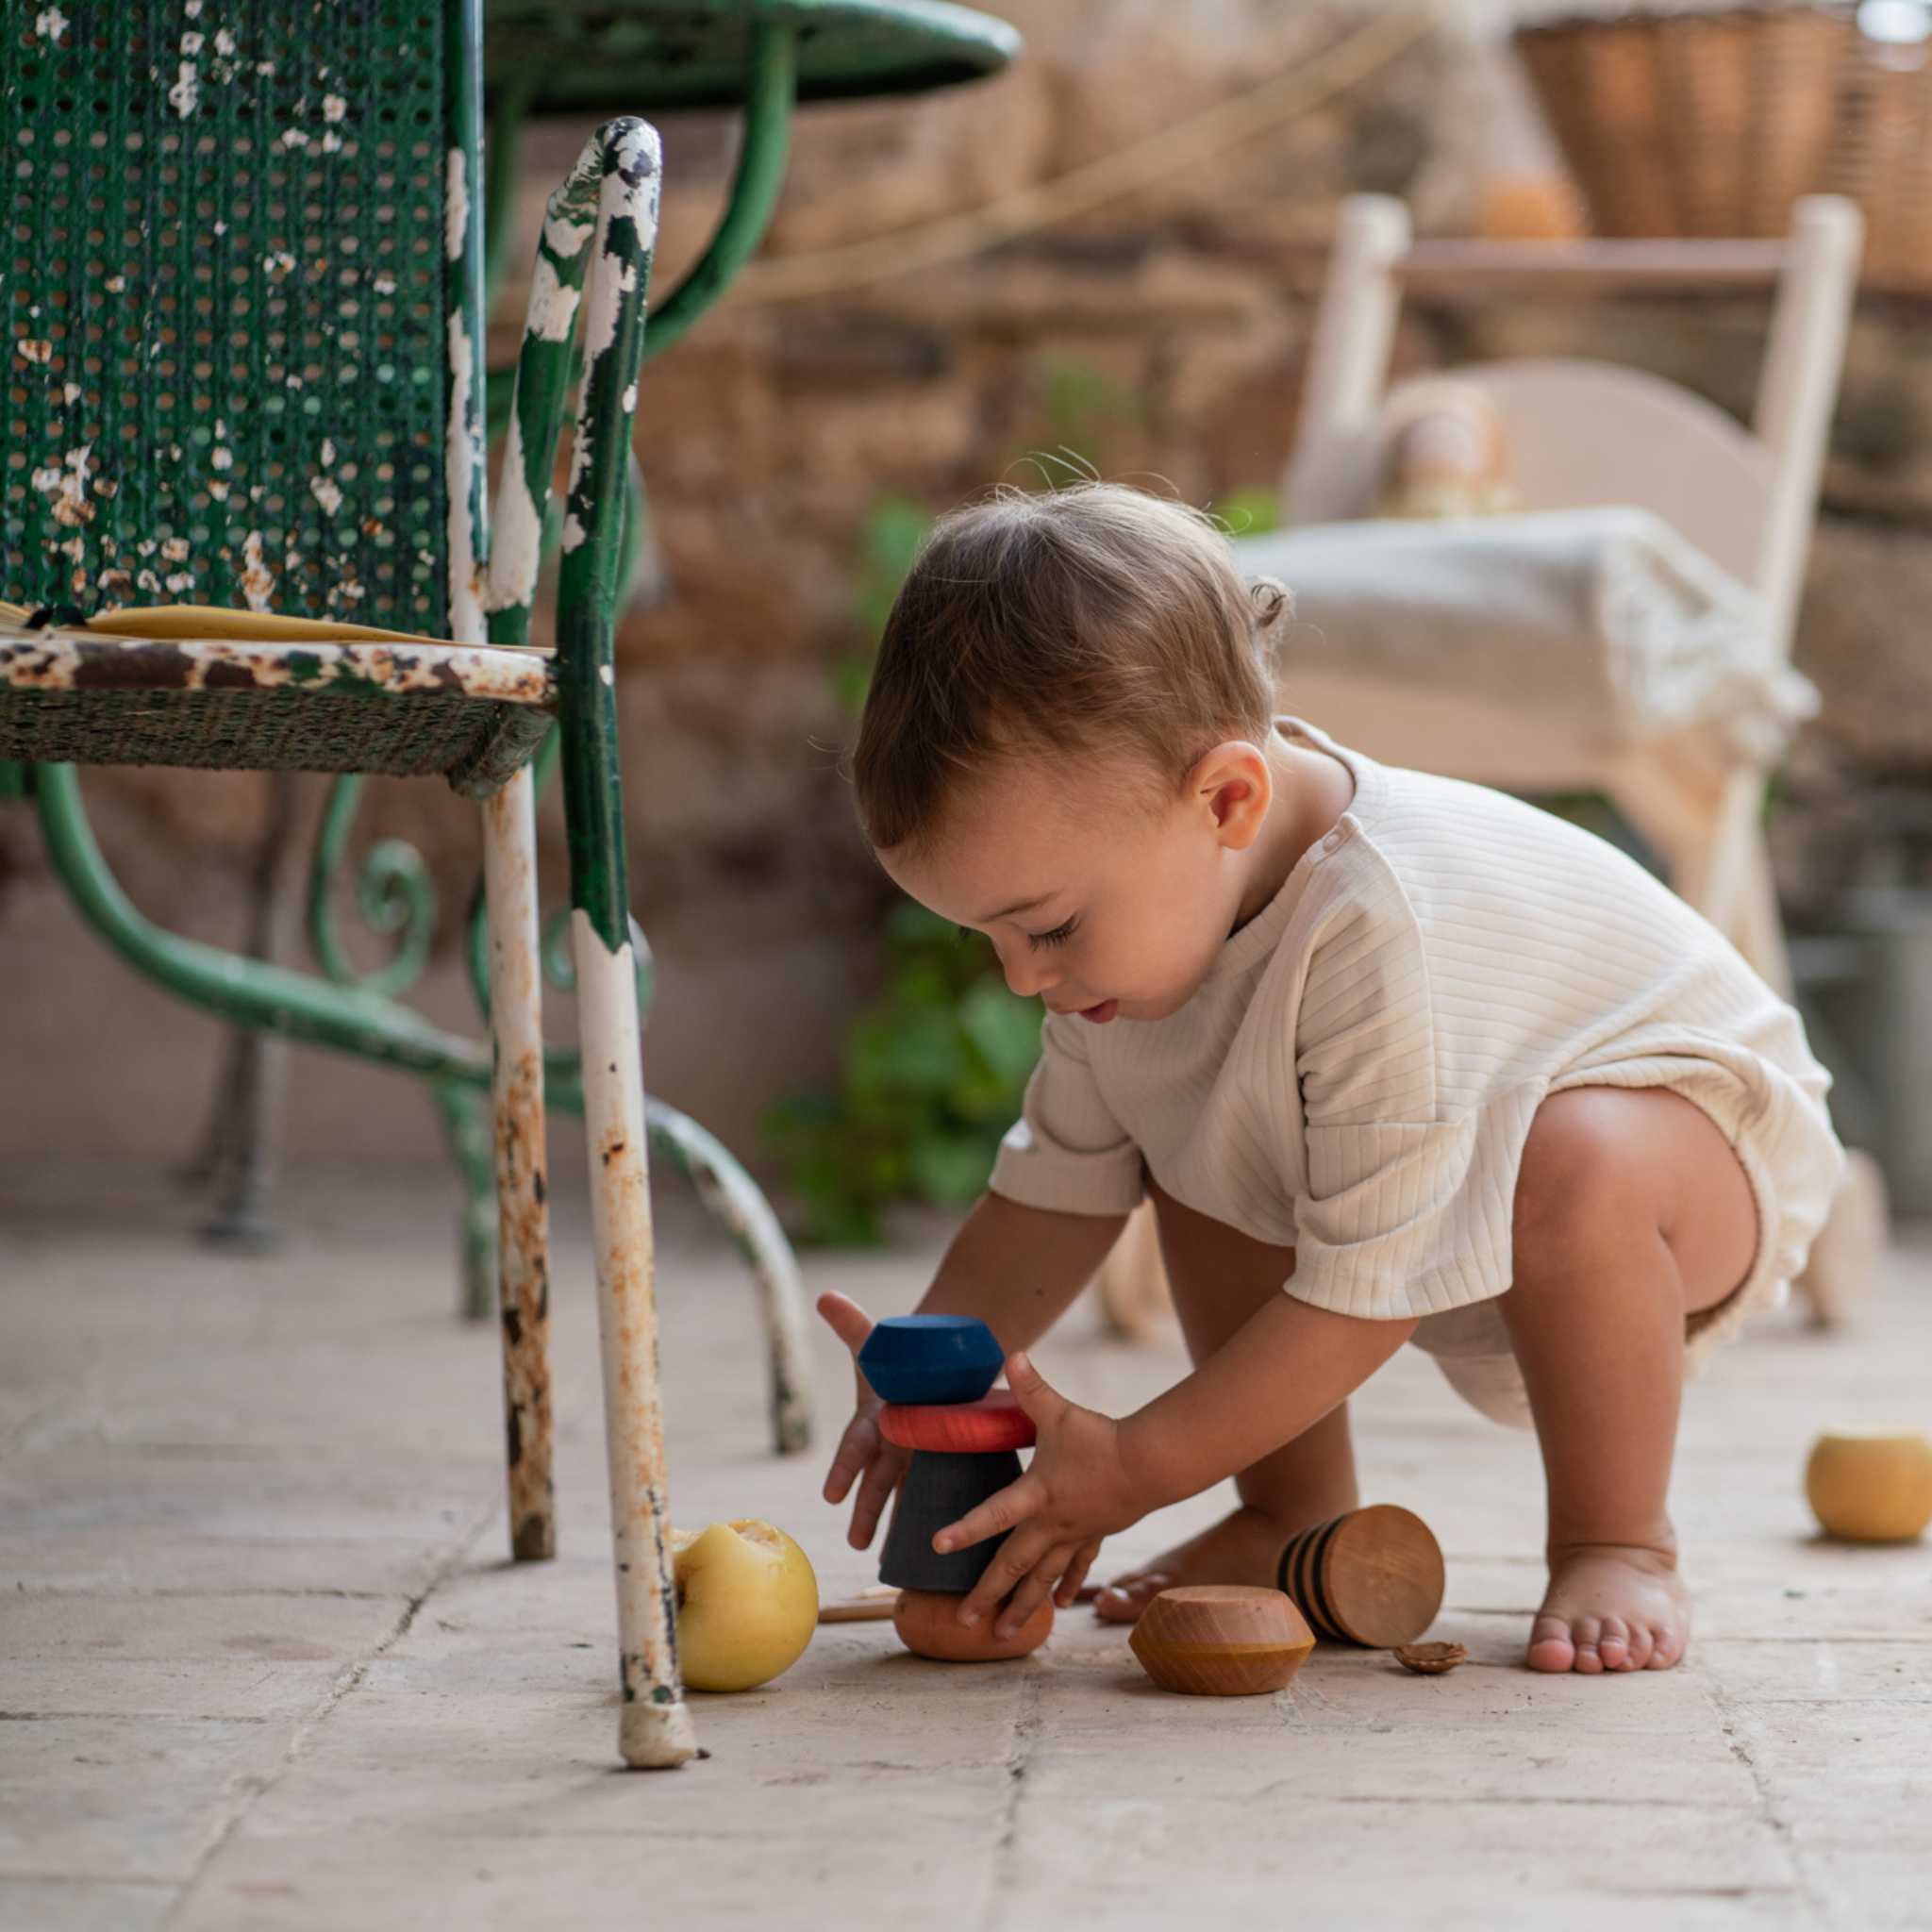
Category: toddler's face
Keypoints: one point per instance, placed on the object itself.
(1101, 908)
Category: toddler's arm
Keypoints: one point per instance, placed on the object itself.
(1018, 1268)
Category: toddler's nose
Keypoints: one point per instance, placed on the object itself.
(1027, 976)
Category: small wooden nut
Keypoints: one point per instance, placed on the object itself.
(1430, 1660)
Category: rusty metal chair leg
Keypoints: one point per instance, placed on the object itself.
(516, 1016)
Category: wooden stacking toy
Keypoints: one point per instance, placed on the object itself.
(935, 1371)
(1221, 1639)
(1373, 1577)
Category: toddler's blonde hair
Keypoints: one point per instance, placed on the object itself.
(1091, 619)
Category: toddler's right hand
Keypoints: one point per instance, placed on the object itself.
(863, 1453)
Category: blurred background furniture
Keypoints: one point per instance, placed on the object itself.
(1675, 536)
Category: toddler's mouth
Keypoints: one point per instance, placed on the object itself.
(1101, 1015)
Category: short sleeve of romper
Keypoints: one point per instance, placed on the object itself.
(1411, 1182)
(1067, 1152)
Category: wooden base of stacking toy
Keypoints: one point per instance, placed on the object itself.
(1221, 1639)
(1373, 1577)
(1871, 1486)
(928, 1625)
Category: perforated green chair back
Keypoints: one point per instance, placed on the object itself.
(240, 295)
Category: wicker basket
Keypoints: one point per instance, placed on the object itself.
(1714, 122)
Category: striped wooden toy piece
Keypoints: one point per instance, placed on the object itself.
(1373, 1577)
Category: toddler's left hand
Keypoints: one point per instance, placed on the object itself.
(1076, 1492)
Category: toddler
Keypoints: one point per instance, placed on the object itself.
(1395, 1059)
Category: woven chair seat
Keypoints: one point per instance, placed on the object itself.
(473, 714)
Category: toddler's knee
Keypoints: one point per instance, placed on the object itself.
(1579, 1178)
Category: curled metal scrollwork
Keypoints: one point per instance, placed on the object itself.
(394, 895)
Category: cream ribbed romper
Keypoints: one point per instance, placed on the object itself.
(1357, 1073)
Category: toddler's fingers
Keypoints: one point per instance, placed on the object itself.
(1032, 1590)
(1004, 1509)
(845, 1318)
(1016, 1558)
(881, 1479)
(856, 1447)
(1076, 1575)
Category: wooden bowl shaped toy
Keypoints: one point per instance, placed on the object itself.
(1373, 1577)
(1222, 1640)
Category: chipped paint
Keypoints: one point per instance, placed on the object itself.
(516, 535)
(573, 531)
(50, 23)
(654, 1727)
(516, 1018)
(225, 43)
(31, 349)
(455, 205)
(552, 303)
(466, 619)
(66, 483)
(258, 580)
(80, 660)
(184, 96)
(630, 400)
(333, 108)
(565, 237)
(328, 492)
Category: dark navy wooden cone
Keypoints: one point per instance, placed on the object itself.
(940, 1489)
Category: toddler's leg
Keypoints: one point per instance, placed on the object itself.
(1220, 1277)
(1631, 1214)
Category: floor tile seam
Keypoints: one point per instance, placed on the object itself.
(249, 1790)
(1029, 1721)
(1768, 1807)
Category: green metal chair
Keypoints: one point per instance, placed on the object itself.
(245, 297)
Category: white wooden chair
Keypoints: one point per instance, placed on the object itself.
(1585, 434)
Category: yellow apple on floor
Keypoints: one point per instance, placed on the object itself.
(747, 1604)
(1871, 1486)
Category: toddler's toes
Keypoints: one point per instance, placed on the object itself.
(1668, 1648)
(1585, 1632)
(1550, 1647)
(1643, 1642)
(1613, 1645)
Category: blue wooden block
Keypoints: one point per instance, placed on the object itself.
(922, 1359)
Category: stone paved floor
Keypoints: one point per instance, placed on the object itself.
(263, 1665)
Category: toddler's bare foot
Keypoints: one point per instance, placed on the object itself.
(1611, 1607)
(1244, 1547)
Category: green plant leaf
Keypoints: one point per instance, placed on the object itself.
(952, 1169)
(1004, 1026)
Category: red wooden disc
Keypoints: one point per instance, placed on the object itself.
(962, 1428)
